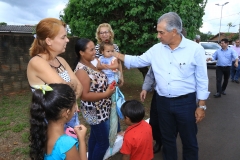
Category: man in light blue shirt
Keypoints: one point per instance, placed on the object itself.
(224, 58)
(180, 71)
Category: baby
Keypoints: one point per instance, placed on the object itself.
(108, 63)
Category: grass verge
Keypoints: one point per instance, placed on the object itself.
(14, 117)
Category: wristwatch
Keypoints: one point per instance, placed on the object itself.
(203, 107)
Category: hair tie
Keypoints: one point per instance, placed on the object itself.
(43, 87)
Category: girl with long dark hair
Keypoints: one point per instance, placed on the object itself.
(51, 108)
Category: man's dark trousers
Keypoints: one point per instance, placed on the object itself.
(235, 71)
(177, 115)
(154, 121)
(222, 71)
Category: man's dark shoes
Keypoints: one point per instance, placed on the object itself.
(156, 148)
(217, 95)
(236, 81)
(224, 93)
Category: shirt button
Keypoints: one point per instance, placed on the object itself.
(168, 73)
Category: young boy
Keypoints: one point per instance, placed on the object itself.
(137, 140)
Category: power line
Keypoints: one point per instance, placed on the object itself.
(222, 17)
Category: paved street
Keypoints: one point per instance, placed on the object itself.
(219, 132)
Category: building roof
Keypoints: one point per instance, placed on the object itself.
(227, 35)
(17, 28)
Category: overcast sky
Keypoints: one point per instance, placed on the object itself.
(21, 12)
(230, 13)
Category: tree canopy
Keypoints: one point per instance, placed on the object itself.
(133, 21)
(205, 36)
(3, 23)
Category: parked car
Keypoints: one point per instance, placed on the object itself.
(210, 48)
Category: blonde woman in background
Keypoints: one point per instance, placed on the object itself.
(105, 33)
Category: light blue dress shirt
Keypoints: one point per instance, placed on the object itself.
(224, 57)
(177, 72)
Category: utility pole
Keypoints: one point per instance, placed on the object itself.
(239, 31)
(220, 19)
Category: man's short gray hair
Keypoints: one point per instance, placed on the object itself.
(197, 37)
(173, 21)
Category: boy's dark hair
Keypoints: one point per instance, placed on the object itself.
(225, 40)
(101, 47)
(134, 110)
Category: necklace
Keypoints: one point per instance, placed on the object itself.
(54, 63)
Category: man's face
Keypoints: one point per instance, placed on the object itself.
(224, 45)
(162, 34)
(237, 43)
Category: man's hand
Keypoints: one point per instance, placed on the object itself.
(199, 114)
(119, 55)
(143, 95)
(236, 64)
(208, 59)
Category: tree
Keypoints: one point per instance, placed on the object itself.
(205, 36)
(133, 21)
(230, 25)
(235, 37)
(3, 23)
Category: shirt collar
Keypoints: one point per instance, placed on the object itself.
(182, 44)
(223, 49)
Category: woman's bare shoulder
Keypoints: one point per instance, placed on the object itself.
(36, 61)
(38, 64)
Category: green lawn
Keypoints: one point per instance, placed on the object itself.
(14, 117)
